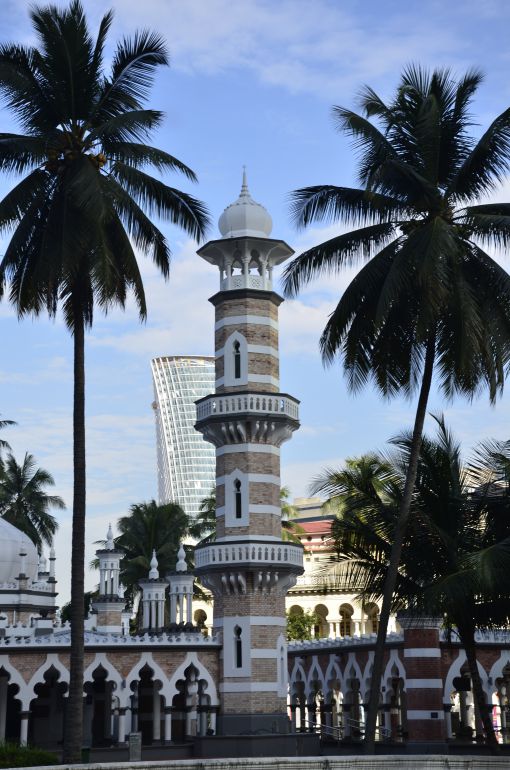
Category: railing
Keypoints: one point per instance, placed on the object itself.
(248, 403)
(225, 555)
(495, 636)
(99, 639)
(341, 641)
(345, 730)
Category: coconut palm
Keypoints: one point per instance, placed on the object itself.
(428, 298)
(291, 530)
(3, 443)
(24, 501)
(203, 528)
(149, 527)
(82, 210)
(456, 553)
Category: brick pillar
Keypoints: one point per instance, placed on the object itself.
(424, 682)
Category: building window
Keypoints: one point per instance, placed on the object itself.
(238, 499)
(237, 360)
(238, 647)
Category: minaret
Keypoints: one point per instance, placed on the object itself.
(108, 604)
(248, 568)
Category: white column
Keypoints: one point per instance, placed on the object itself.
(213, 721)
(168, 725)
(173, 608)
(153, 613)
(4, 684)
(23, 735)
(122, 725)
(448, 720)
(146, 613)
(189, 608)
(156, 714)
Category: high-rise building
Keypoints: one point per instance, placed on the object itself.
(186, 462)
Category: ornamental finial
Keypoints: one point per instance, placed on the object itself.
(181, 565)
(154, 572)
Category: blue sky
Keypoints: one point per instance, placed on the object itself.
(251, 82)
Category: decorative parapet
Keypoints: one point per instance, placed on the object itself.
(252, 554)
(97, 639)
(248, 403)
(315, 645)
(499, 636)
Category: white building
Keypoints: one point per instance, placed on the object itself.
(186, 463)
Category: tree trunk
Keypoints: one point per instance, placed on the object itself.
(467, 637)
(74, 711)
(396, 549)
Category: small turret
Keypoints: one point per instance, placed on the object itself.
(110, 604)
(181, 591)
(153, 599)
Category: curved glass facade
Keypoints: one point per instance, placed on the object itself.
(186, 462)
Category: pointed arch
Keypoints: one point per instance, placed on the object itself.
(113, 675)
(24, 694)
(191, 659)
(52, 661)
(146, 659)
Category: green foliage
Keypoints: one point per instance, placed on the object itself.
(204, 526)
(421, 238)
(300, 625)
(148, 527)
(65, 612)
(24, 501)
(12, 755)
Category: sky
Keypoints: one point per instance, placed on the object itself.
(251, 83)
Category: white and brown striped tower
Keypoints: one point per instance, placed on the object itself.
(248, 568)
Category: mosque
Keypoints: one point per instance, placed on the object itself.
(242, 681)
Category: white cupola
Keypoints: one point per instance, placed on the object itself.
(245, 217)
(245, 254)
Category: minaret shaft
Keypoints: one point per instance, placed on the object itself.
(248, 567)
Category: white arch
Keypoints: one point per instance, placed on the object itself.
(352, 665)
(297, 669)
(158, 675)
(113, 675)
(24, 694)
(394, 660)
(496, 671)
(315, 675)
(228, 359)
(454, 671)
(191, 659)
(52, 660)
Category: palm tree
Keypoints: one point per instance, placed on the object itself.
(291, 530)
(3, 443)
(203, 528)
(456, 554)
(149, 527)
(82, 209)
(24, 501)
(428, 298)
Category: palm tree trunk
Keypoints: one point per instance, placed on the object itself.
(74, 712)
(467, 637)
(396, 549)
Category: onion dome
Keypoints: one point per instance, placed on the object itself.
(13, 542)
(245, 217)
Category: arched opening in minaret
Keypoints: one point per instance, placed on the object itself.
(237, 360)
(238, 499)
(238, 647)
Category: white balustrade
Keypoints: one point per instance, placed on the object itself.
(222, 555)
(250, 403)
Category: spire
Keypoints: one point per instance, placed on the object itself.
(245, 193)
(154, 572)
(110, 546)
(181, 565)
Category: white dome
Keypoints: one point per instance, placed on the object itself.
(245, 217)
(12, 540)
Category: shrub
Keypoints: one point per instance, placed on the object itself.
(12, 755)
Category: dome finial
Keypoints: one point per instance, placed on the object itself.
(244, 186)
(181, 565)
(154, 572)
(109, 539)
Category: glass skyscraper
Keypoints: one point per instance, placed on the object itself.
(186, 462)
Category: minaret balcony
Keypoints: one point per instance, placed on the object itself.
(248, 402)
(251, 554)
(247, 416)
